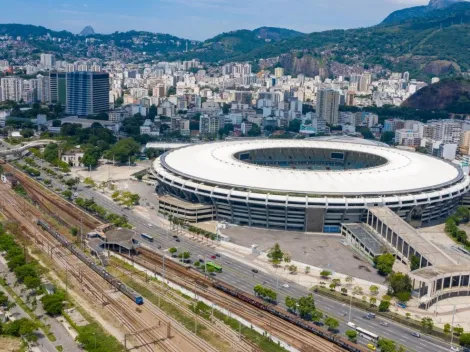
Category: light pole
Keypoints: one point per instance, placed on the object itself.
(452, 328)
(350, 307)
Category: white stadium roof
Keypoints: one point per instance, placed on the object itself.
(405, 172)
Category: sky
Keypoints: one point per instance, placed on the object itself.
(199, 19)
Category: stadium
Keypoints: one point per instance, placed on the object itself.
(308, 185)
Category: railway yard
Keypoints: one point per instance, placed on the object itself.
(147, 327)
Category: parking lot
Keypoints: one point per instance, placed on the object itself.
(320, 250)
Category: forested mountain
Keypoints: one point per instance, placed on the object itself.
(430, 42)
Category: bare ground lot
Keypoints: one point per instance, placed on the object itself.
(320, 250)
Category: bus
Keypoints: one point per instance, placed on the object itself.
(367, 334)
(216, 267)
(147, 237)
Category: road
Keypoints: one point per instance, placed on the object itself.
(239, 274)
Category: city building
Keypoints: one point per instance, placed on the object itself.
(210, 125)
(328, 106)
(278, 72)
(408, 138)
(87, 93)
(11, 88)
(47, 60)
(58, 88)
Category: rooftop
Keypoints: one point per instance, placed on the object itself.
(367, 237)
(413, 237)
(404, 172)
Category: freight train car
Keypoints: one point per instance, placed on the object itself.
(291, 318)
(96, 268)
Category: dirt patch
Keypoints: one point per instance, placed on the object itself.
(9, 344)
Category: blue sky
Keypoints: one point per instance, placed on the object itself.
(199, 19)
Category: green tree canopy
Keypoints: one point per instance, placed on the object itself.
(384, 263)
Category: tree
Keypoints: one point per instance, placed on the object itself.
(349, 279)
(373, 301)
(336, 281)
(427, 323)
(458, 330)
(74, 231)
(292, 269)
(91, 157)
(384, 263)
(123, 150)
(67, 194)
(32, 282)
(414, 262)
(464, 340)
(374, 290)
(287, 258)
(386, 345)
(403, 296)
(357, 290)
(400, 283)
(254, 131)
(387, 137)
(173, 250)
(325, 274)
(344, 291)
(51, 152)
(384, 306)
(307, 269)
(27, 133)
(447, 328)
(306, 306)
(89, 182)
(352, 335)
(291, 303)
(275, 254)
(332, 323)
(332, 286)
(53, 304)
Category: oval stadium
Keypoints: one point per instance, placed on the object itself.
(306, 185)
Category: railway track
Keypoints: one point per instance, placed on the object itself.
(183, 304)
(296, 336)
(291, 334)
(117, 304)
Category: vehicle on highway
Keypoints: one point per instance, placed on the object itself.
(383, 323)
(146, 237)
(212, 274)
(455, 348)
(367, 334)
(213, 257)
(351, 324)
(174, 236)
(416, 334)
(216, 267)
(371, 347)
(159, 247)
(178, 240)
(255, 271)
(149, 225)
(285, 285)
(201, 260)
(217, 255)
(367, 317)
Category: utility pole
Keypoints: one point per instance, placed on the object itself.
(350, 307)
(452, 327)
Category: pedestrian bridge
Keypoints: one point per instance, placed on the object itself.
(22, 148)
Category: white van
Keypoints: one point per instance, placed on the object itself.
(351, 324)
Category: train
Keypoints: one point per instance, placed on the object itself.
(90, 263)
(291, 318)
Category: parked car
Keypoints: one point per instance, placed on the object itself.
(217, 255)
(174, 236)
(455, 348)
(201, 260)
(178, 240)
(401, 305)
(285, 285)
(367, 317)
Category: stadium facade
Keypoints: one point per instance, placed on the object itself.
(309, 185)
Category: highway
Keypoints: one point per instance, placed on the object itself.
(239, 274)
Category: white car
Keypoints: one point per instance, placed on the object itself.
(454, 348)
(285, 285)
(150, 225)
